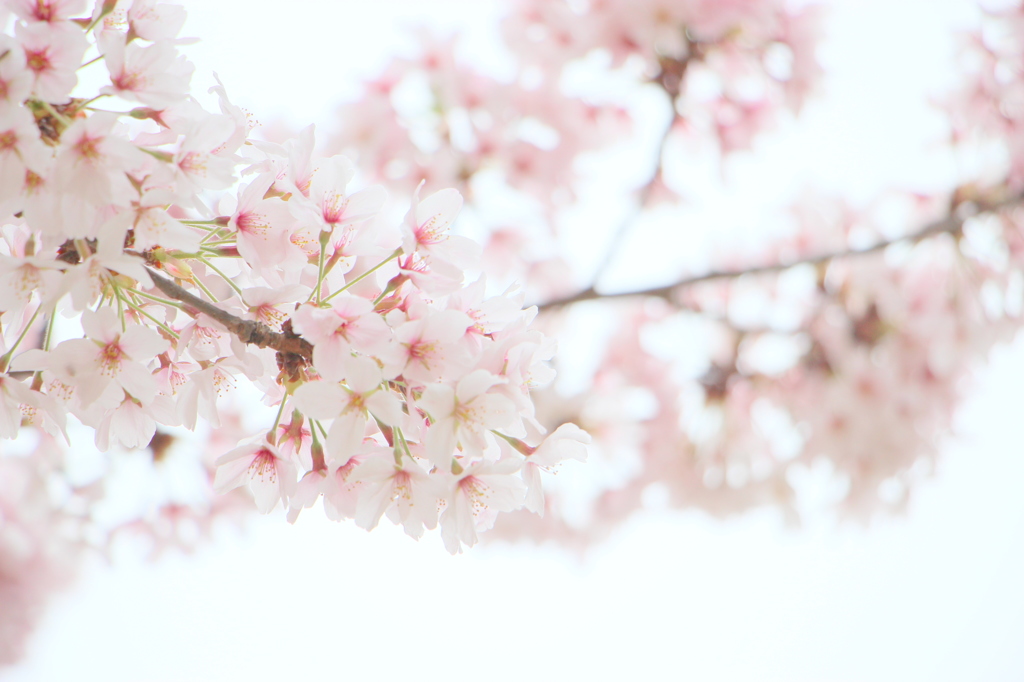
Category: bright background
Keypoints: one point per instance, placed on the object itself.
(933, 596)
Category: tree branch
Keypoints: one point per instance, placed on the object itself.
(248, 331)
(642, 199)
(950, 224)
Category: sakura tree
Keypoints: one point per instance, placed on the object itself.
(281, 323)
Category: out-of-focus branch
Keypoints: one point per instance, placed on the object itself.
(643, 197)
(248, 331)
(670, 79)
(951, 224)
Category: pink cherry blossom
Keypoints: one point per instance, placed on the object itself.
(430, 346)
(477, 495)
(463, 415)
(53, 53)
(154, 75)
(51, 11)
(403, 487)
(350, 324)
(260, 466)
(21, 150)
(153, 20)
(350, 405)
(263, 228)
(93, 160)
(427, 229)
(16, 79)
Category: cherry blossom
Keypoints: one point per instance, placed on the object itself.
(159, 265)
(53, 53)
(464, 414)
(270, 476)
(404, 487)
(350, 406)
(478, 494)
(153, 75)
(153, 20)
(51, 11)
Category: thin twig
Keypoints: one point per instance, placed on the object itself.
(949, 224)
(642, 199)
(669, 79)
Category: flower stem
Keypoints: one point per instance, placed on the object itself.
(227, 279)
(5, 360)
(135, 306)
(157, 299)
(272, 434)
(395, 254)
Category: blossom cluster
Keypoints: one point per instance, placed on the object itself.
(724, 72)
(728, 69)
(155, 256)
(851, 366)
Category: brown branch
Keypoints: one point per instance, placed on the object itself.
(950, 224)
(252, 332)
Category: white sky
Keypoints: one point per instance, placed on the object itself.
(934, 596)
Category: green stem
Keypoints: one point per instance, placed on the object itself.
(120, 305)
(88, 102)
(405, 445)
(56, 114)
(319, 272)
(48, 336)
(37, 378)
(92, 60)
(227, 279)
(395, 254)
(6, 358)
(519, 445)
(138, 309)
(205, 290)
(156, 299)
(272, 434)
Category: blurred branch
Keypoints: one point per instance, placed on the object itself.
(671, 75)
(951, 224)
(643, 196)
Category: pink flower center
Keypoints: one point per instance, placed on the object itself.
(32, 182)
(88, 148)
(110, 357)
(193, 163)
(8, 140)
(43, 11)
(343, 329)
(251, 222)
(401, 489)
(430, 232)
(334, 208)
(37, 61)
(476, 492)
(421, 351)
(128, 81)
(264, 466)
(268, 314)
